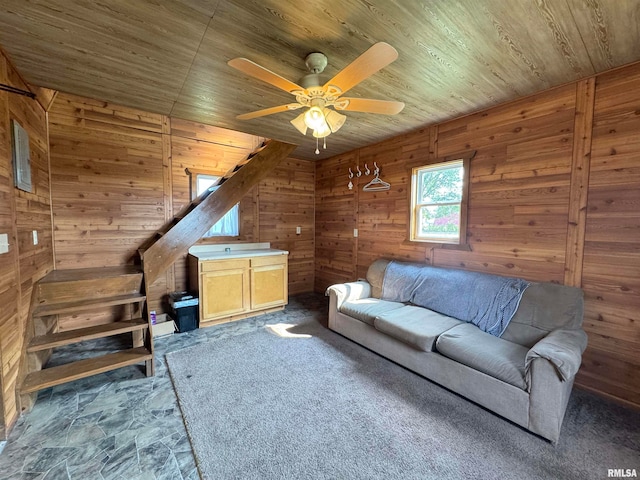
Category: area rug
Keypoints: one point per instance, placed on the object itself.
(301, 402)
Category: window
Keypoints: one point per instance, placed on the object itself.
(438, 202)
(227, 226)
(21, 157)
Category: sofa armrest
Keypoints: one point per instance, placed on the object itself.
(346, 292)
(563, 349)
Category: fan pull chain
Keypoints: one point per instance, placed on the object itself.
(317, 149)
(325, 143)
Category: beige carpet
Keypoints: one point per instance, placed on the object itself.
(316, 406)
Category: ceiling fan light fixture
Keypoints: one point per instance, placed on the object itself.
(300, 124)
(316, 96)
(334, 119)
(322, 131)
(314, 118)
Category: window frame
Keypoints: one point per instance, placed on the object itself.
(464, 160)
(193, 191)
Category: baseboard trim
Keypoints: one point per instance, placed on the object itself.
(608, 396)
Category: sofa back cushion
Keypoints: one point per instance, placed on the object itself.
(545, 307)
(485, 300)
(375, 276)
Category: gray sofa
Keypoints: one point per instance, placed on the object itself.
(526, 375)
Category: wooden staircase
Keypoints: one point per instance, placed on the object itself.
(122, 288)
(83, 291)
(208, 209)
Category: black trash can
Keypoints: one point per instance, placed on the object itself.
(184, 309)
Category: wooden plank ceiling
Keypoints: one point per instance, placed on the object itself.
(456, 57)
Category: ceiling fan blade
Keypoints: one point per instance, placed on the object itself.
(378, 56)
(269, 111)
(256, 71)
(369, 105)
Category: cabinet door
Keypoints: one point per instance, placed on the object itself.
(224, 292)
(269, 283)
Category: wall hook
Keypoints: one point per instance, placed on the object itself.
(366, 170)
(350, 173)
(359, 174)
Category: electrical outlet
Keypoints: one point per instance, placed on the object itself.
(355, 233)
(35, 237)
(4, 243)
(298, 230)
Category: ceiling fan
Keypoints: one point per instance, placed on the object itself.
(314, 95)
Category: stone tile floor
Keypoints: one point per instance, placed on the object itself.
(121, 425)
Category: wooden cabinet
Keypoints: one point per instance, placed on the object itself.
(224, 288)
(268, 281)
(231, 289)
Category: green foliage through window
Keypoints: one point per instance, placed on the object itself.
(440, 185)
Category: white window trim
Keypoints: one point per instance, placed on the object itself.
(461, 239)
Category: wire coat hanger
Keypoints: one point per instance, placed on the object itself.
(376, 185)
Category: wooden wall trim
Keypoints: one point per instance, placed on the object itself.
(356, 212)
(53, 230)
(433, 155)
(433, 142)
(256, 212)
(167, 190)
(580, 167)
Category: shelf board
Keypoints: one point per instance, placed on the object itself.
(50, 377)
(44, 342)
(86, 304)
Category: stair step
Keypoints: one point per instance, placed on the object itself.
(61, 286)
(50, 377)
(79, 274)
(44, 342)
(86, 304)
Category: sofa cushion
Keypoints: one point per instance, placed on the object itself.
(544, 307)
(415, 326)
(367, 309)
(494, 356)
(375, 276)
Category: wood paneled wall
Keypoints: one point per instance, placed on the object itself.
(286, 201)
(520, 183)
(611, 268)
(535, 167)
(20, 214)
(107, 186)
(118, 175)
(336, 215)
(106, 181)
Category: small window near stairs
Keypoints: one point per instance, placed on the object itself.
(227, 226)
